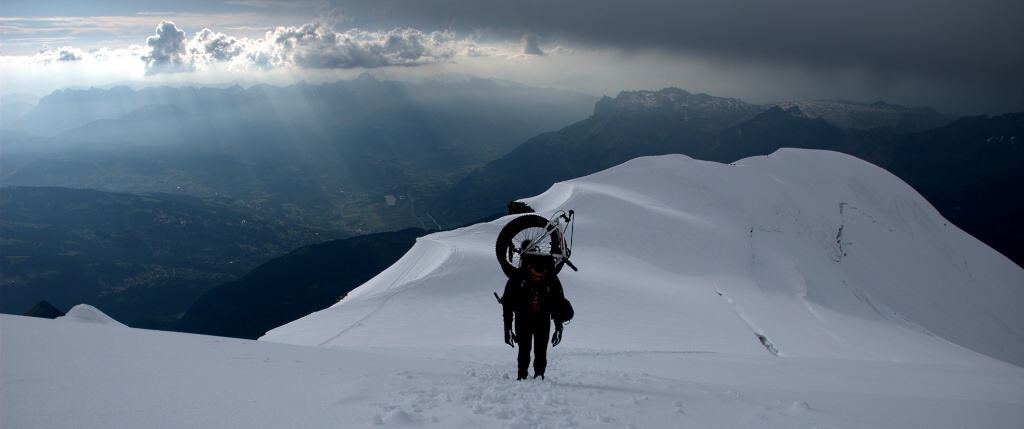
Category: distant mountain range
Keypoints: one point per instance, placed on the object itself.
(250, 174)
(633, 124)
(330, 152)
(639, 123)
(879, 116)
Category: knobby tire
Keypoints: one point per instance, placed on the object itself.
(511, 239)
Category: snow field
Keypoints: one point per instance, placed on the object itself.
(73, 375)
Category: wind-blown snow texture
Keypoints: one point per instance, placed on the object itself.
(853, 279)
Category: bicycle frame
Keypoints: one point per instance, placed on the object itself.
(558, 223)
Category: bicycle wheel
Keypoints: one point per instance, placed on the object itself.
(525, 233)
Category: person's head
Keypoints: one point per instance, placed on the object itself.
(537, 265)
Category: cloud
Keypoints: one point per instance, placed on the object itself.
(168, 50)
(66, 53)
(922, 52)
(332, 16)
(531, 45)
(210, 46)
(315, 45)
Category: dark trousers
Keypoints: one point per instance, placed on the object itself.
(533, 334)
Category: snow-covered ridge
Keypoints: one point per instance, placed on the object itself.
(816, 253)
(678, 101)
(85, 313)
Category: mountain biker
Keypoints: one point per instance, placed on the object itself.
(529, 299)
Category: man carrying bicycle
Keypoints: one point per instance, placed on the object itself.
(532, 299)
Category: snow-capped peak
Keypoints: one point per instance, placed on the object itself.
(857, 116)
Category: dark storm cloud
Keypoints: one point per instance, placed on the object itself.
(879, 34)
(971, 42)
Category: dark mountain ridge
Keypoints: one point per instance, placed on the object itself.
(286, 288)
(632, 124)
(879, 116)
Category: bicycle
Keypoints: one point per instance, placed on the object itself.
(533, 234)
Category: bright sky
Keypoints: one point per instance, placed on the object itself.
(959, 56)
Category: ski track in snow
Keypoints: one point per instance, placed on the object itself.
(402, 283)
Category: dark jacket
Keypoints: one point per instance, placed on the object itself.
(526, 299)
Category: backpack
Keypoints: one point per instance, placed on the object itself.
(562, 311)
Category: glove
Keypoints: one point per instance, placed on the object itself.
(557, 337)
(510, 338)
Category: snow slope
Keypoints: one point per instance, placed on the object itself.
(820, 253)
(82, 375)
(853, 278)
